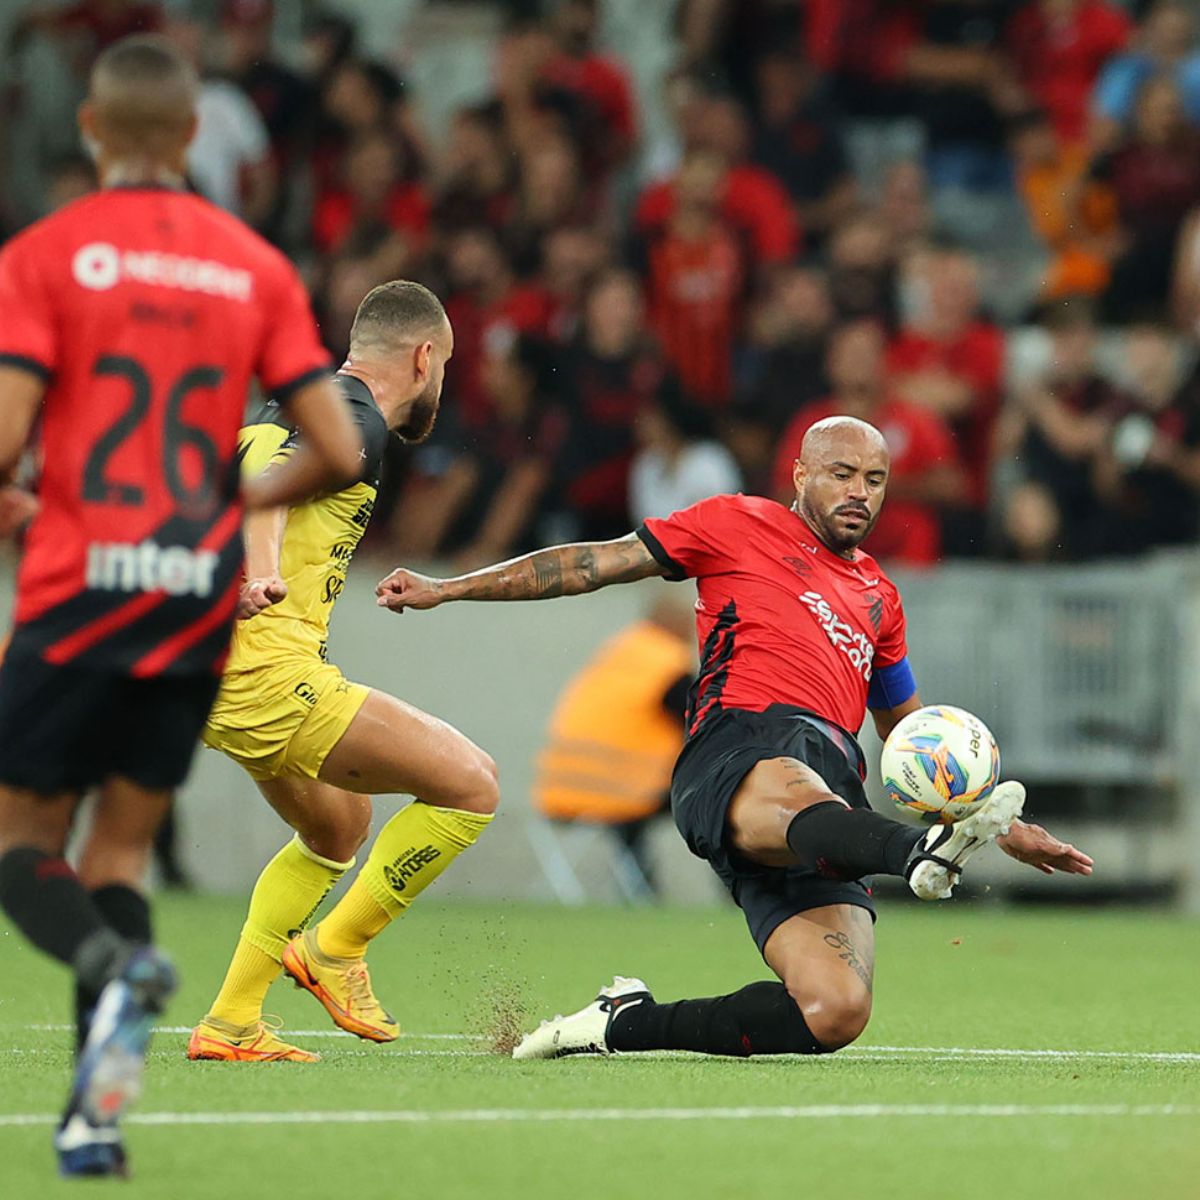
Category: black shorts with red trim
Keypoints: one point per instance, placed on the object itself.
(68, 728)
(709, 771)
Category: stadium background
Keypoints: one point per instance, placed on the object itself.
(658, 227)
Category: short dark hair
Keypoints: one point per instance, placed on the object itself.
(397, 312)
(149, 59)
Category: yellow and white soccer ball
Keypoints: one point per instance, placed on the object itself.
(940, 764)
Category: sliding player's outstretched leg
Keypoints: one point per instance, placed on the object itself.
(824, 959)
(392, 747)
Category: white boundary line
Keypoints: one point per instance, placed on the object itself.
(861, 1052)
(533, 1115)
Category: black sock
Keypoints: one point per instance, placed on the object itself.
(45, 900)
(848, 843)
(760, 1019)
(128, 913)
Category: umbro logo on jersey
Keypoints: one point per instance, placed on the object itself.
(800, 565)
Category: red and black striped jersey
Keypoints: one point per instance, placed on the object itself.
(148, 311)
(781, 618)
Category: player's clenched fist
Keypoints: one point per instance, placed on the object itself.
(406, 589)
(259, 594)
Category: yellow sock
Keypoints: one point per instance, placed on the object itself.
(287, 895)
(411, 851)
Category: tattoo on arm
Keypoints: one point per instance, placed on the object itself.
(850, 956)
(559, 571)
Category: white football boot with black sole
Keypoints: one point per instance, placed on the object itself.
(586, 1031)
(937, 861)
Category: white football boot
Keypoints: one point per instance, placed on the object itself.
(586, 1031)
(938, 859)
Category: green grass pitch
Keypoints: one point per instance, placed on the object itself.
(917, 1109)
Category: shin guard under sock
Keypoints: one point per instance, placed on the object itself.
(761, 1018)
(848, 843)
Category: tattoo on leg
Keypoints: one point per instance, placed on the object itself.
(850, 956)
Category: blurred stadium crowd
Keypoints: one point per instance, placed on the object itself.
(975, 223)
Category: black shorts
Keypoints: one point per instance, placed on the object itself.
(65, 728)
(710, 769)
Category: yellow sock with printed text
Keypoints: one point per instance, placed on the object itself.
(411, 851)
(286, 897)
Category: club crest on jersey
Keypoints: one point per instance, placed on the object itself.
(856, 646)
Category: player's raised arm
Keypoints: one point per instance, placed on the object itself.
(557, 571)
(330, 457)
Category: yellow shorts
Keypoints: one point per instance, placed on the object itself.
(283, 718)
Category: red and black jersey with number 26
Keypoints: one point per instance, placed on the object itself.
(148, 312)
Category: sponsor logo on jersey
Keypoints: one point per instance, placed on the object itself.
(306, 692)
(362, 516)
(149, 567)
(398, 873)
(100, 266)
(856, 646)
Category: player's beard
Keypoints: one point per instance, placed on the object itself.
(838, 540)
(423, 414)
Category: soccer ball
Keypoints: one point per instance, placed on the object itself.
(939, 764)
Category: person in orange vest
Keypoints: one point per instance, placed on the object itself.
(617, 729)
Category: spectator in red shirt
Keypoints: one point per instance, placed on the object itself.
(1059, 48)
(946, 358)
(695, 282)
(752, 201)
(1155, 179)
(374, 196)
(599, 82)
(487, 303)
(862, 45)
(925, 477)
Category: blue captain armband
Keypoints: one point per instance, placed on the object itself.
(891, 685)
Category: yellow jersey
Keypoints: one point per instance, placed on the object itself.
(318, 541)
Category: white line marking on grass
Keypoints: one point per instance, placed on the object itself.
(513, 1115)
(872, 1053)
(974, 1052)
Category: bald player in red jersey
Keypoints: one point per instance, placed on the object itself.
(132, 322)
(801, 633)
